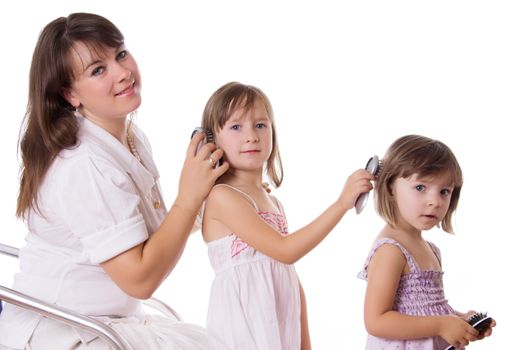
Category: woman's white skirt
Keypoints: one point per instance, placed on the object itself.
(147, 332)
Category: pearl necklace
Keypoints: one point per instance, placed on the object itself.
(131, 145)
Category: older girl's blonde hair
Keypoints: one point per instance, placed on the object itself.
(415, 154)
(232, 97)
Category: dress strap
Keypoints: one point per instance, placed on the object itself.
(241, 192)
(413, 266)
(436, 251)
(278, 204)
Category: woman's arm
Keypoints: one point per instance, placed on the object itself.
(140, 270)
(384, 273)
(233, 210)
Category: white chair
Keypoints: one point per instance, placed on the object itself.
(70, 317)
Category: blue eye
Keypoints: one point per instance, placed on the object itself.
(260, 125)
(97, 71)
(235, 127)
(420, 188)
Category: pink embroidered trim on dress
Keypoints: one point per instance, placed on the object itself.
(275, 220)
(237, 246)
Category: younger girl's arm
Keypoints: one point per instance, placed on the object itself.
(305, 331)
(140, 270)
(384, 273)
(234, 211)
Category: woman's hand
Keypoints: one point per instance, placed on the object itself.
(199, 173)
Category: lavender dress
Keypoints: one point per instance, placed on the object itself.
(420, 293)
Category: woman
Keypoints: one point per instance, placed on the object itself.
(100, 237)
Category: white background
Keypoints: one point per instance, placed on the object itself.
(345, 78)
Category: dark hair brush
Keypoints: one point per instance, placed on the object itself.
(208, 139)
(480, 321)
(209, 135)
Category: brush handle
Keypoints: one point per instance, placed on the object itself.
(372, 166)
(361, 202)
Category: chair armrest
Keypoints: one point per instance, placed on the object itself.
(162, 307)
(8, 250)
(64, 315)
(55, 312)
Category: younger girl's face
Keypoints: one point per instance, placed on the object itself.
(246, 138)
(422, 202)
(106, 86)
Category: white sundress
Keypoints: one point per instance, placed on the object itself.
(255, 300)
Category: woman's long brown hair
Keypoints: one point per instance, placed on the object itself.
(50, 124)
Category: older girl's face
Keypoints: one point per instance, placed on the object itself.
(106, 87)
(246, 138)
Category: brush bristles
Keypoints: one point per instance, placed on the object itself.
(477, 317)
(209, 136)
(379, 168)
(207, 133)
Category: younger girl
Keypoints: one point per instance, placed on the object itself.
(100, 237)
(417, 188)
(256, 299)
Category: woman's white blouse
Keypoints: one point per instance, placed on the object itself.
(96, 201)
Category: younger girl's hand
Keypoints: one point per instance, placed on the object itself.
(488, 331)
(469, 314)
(199, 174)
(456, 331)
(357, 183)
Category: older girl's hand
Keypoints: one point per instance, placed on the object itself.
(357, 183)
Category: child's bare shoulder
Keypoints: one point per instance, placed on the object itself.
(223, 195)
(388, 251)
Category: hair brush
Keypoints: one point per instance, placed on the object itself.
(209, 136)
(480, 321)
(373, 166)
(207, 139)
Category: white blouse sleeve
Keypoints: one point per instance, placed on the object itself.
(99, 203)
